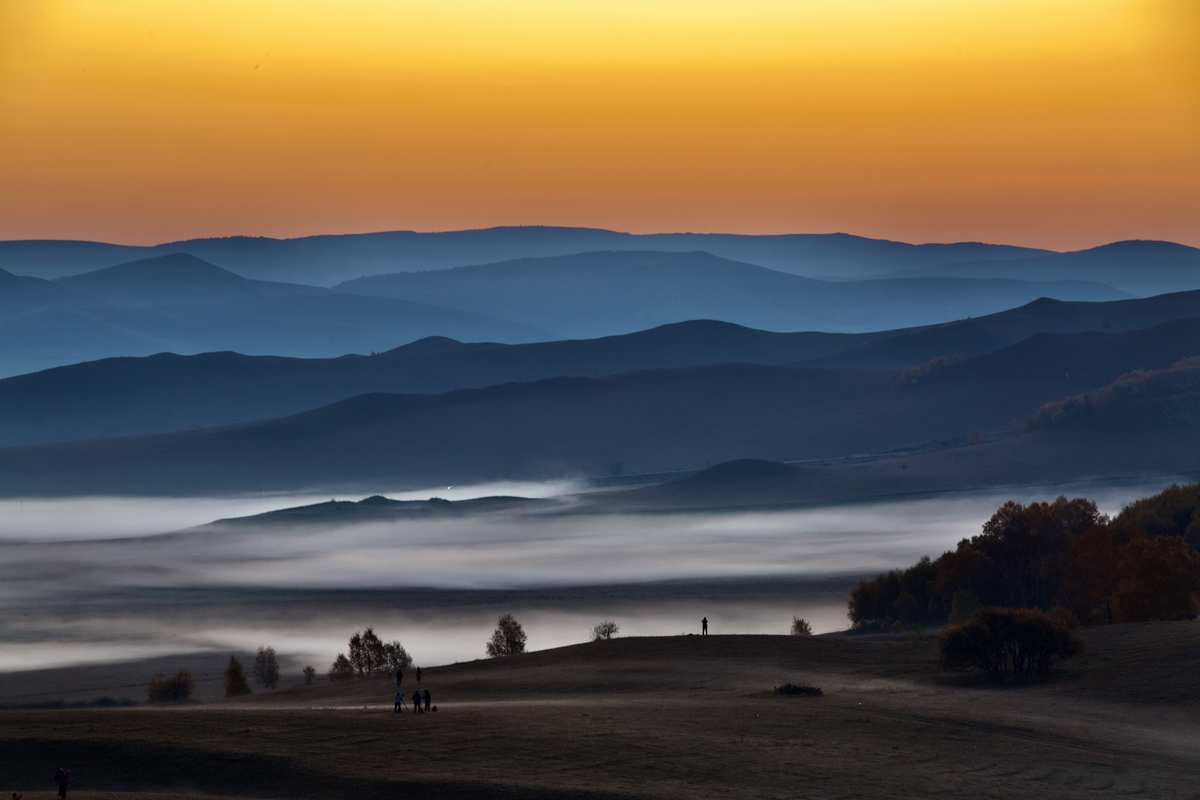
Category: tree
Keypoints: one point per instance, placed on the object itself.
(396, 657)
(508, 639)
(374, 655)
(174, 689)
(963, 606)
(800, 627)
(1159, 579)
(605, 630)
(358, 656)
(310, 674)
(341, 669)
(266, 668)
(235, 679)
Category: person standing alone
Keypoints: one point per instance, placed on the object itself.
(704, 627)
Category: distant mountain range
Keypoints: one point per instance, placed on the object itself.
(593, 294)
(645, 421)
(1137, 267)
(331, 259)
(180, 303)
(163, 393)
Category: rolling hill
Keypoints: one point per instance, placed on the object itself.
(1140, 267)
(330, 259)
(594, 294)
(165, 392)
(183, 304)
(640, 422)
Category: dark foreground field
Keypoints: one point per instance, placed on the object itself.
(664, 717)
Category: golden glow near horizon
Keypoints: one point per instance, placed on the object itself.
(1057, 122)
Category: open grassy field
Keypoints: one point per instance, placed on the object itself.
(672, 717)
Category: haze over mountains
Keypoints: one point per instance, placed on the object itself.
(696, 406)
(162, 393)
(1136, 267)
(593, 294)
(180, 303)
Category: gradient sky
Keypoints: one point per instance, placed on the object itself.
(1060, 123)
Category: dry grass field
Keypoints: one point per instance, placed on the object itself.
(678, 717)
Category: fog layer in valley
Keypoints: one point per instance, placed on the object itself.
(85, 580)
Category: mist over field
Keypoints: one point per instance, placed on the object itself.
(92, 579)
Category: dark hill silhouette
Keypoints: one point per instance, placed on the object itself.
(593, 294)
(174, 278)
(378, 508)
(967, 338)
(1142, 267)
(639, 422)
(165, 392)
(334, 258)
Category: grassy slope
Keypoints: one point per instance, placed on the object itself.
(671, 717)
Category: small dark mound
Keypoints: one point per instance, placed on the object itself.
(798, 690)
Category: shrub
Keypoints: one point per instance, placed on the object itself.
(508, 639)
(266, 668)
(341, 669)
(174, 689)
(310, 674)
(800, 627)
(1020, 643)
(235, 679)
(798, 690)
(605, 630)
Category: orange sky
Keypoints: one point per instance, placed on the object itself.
(1061, 123)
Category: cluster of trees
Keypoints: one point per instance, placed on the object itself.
(1143, 400)
(1018, 643)
(369, 655)
(170, 688)
(265, 671)
(1141, 565)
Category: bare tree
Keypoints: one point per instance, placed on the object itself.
(310, 674)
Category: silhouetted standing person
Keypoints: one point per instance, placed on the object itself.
(418, 674)
(400, 678)
(398, 703)
(62, 778)
(416, 699)
(428, 699)
(704, 627)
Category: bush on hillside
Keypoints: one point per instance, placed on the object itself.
(605, 630)
(310, 675)
(173, 689)
(1017, 643)
(800, 627)
(798, 690)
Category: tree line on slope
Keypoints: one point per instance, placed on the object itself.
(1062, 556)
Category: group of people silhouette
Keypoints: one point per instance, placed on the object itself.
(422, 700)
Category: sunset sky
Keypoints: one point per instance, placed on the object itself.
(1062, 123)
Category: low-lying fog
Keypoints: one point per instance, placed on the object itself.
(85, 580)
